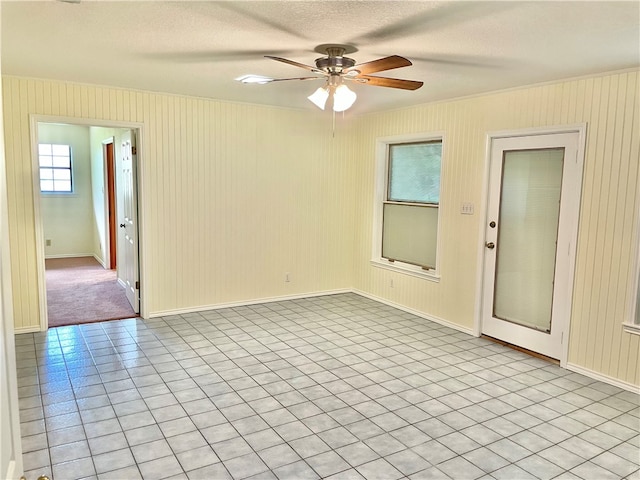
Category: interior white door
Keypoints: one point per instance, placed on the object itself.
(532, 213)
(128, 270)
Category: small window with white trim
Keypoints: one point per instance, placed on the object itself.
(408, 204)
(55, 168)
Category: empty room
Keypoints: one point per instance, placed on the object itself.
(310, 211)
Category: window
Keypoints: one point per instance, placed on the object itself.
(55, 168)
(407, 204)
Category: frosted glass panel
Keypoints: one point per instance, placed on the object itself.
(410, 234)
(527, 236)
(414, 172)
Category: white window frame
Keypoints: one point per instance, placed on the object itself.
(380, 196)
(71, 173)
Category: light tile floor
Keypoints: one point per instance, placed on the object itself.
(329, 387)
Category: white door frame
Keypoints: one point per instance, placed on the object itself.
(37, 212)
(11, 466)
(581, 130)
(107, 226)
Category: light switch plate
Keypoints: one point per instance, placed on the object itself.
(467, 208)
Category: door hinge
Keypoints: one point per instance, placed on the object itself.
(137, 285)
(134, 151)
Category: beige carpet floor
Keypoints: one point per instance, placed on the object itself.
(80, 290)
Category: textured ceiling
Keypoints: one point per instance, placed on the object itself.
(198, 48)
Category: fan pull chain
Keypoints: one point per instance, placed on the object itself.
(333, 126)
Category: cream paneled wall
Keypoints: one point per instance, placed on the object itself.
(233, 196)
(609, 106)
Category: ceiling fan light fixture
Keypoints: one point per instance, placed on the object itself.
(259, 79)
(343, 98)
(319, 97)
(336, 68)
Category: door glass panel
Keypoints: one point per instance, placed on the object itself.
(527, 236)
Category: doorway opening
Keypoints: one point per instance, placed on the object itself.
(81, 290)
(88, 267)
(109, 158)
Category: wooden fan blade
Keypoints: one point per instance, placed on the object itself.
(380, 65)
(295, 64)
(210, 56)
(389, 82)
(296, 78)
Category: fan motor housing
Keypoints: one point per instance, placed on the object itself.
(334, 64)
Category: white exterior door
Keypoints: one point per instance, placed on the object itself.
(532, 215)
(128, 269)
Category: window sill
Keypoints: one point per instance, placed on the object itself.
(631, 328)
(407, 269)
(58, 194)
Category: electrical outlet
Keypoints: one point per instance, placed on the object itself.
(391, 282)
(287, 278)
(47, 242)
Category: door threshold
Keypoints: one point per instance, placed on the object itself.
(521, 349)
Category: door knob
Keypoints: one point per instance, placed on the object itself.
(490, 245)
(122, 225)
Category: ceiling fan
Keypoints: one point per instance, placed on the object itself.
(338, 70)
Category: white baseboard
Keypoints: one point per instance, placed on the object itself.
(179, 311)
(70, 255)
(29, 329)
(417, 313)
(100, 261)
(603, 378)
(218, 306)
(78, 255)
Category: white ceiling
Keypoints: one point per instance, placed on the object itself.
(199, 48)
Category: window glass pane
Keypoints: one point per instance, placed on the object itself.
(44, 149)
(46, 173)
(62, 174)
(414, 172)
(60, 150)
(46, 185)
(410, 234)
(58, 178)
(62, 186)
(64, 162)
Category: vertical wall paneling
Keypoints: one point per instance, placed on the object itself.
(234, 196)
(608, 104)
